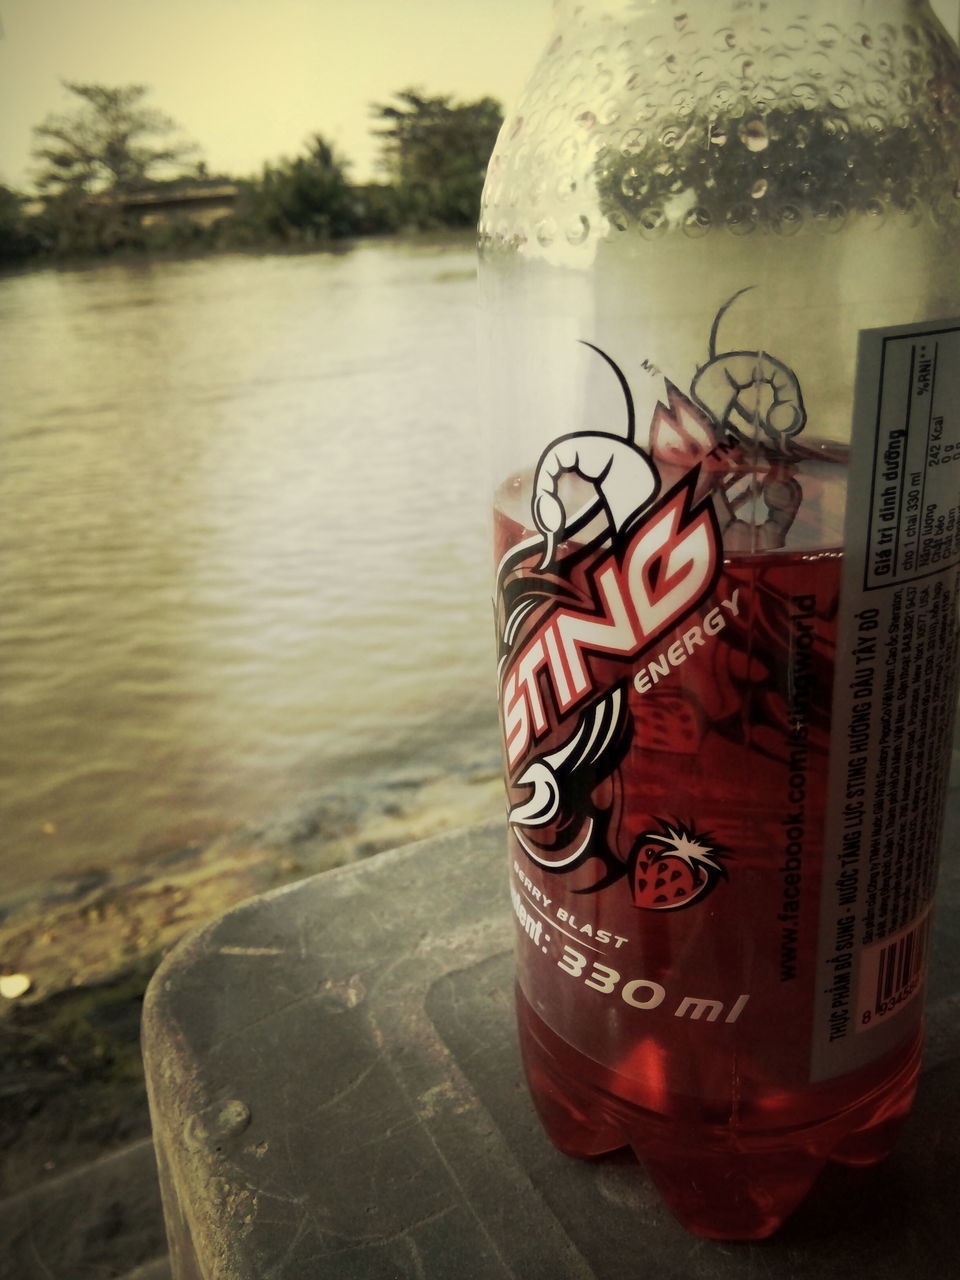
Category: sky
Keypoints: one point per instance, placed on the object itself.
(251, 80)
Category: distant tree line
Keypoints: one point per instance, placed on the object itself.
(112, 150)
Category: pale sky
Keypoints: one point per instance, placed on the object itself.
(251, 80)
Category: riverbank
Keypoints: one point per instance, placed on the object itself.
(140, 257)
(74, 1123)
(93, 926)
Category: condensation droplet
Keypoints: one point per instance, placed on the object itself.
(741, 219)
(876, 124)
(876, 212)
(565, 187)
(762, 96)
(633, 184)
(836, 127)
(781, 66)
(787, 220)
(725, 39)
(652, 221)
(546, 232)
(705, 69)
(829, 35)
(842, 96)
(597, 146)
(578, 229)
(696, 222)
(753, 134)
(759, 189)
(619, 221)
(684, 102)
(851, 58)
(796, 37)
(956, 190)
(610, 112)
(819, 66)
(671, 137)
(633, 142)
(723, 97)
(718, 134)
(806, 95)
(585, 118)
(567, 151)
(831, 217)
(667, 71)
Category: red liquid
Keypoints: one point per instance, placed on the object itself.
(684, 1031)
(730, 1180)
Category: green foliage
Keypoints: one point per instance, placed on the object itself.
(109, 142)
(435, 152)
(301, 201)
(72, 225)
(99, 162)
(18, 239)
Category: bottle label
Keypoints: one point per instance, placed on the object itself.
(694, 722)
(895, 692)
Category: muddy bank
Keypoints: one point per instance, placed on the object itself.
(82, 951)
(105, 921)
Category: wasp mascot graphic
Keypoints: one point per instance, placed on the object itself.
(629, 543)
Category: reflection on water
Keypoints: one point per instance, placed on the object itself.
(243, 539)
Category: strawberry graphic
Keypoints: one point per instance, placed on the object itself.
(673, 867)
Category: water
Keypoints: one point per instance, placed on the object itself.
(243, 538)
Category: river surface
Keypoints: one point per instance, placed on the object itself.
(244, 541)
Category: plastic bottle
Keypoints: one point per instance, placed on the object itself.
(720, 265)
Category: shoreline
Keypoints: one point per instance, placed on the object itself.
(455, 238)
(100, 924)
(75, 1131)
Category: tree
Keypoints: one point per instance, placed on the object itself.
(299, 201)
(17, 239)
(435, 151)
(111, 142)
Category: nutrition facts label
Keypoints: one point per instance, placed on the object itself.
(895, 688)
(914, 526)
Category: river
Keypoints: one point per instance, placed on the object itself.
(244, 542)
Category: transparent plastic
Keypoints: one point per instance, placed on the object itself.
(690, 217)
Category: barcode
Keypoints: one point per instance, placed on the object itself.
(891, 973)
